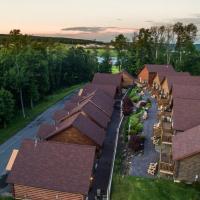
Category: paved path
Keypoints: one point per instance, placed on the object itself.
(102, 174)
(140, 163)
(28, 132)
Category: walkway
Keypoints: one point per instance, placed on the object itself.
(102, 174)
(141, 162)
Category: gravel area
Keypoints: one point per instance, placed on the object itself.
(141, 162)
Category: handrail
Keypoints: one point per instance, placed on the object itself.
(115, 150)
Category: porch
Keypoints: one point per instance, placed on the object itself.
(166, 165)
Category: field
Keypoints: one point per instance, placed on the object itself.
(19, 122)
(100, 52)
(115, 69)
(134, 188)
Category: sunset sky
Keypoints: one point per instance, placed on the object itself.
(93, 19)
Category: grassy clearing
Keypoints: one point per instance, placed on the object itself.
(115, 69)
(113, 53)
(19, 122)
(134, 188)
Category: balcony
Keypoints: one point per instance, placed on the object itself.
(166, 163)
(157, 130)
(166, 168)
(167, 133)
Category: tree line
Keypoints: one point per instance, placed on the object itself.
(171, 44)
(30, 70)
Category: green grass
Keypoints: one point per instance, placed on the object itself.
(134, 188)
(113, 53)
(115, 69)
(19, 122)
(6, 198)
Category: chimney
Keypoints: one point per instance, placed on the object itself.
(80, 92)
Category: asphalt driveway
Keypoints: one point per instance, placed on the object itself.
(28, 132)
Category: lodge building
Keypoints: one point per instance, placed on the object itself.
(177, 131)
(62, 161)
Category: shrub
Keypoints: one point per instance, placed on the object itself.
(127, 106)
(136, 143)
(136, 99)
(139, 128)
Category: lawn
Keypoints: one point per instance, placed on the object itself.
(134, 188)
(6, 198)
(115, 69)
(113, 53)
(19, 122)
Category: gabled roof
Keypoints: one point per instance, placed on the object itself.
(45, 129)
(159, 68)
(99, 99)
(186, 144)
(186, 91)
(162, 75)
(185, 114)
(108, 89)
(69, 105)
(107, 79)
(124, 72)
(53, 166)
(88, 108)
(83, 124)
(186, 80)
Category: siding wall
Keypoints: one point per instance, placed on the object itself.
(165, 87)
(127, 81)
(187, 169)
(144, 75)
(151, 78)
(74, 136)
(156, 80)
(31, 193)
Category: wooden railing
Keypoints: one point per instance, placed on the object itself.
(167, 139)
(167, 168)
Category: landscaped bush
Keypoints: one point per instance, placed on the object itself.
(134, 124)
(136, 143)
(134, 95)
(136, 99)
(139, 128)
(127, 106)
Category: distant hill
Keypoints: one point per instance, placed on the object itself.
(3, 37)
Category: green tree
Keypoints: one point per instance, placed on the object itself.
(144, 47)
(106, 65)
(6, 106)
(120, 43)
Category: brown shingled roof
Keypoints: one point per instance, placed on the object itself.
(185, 113)
(159, 68)
(186, 91)
(186, 80)
(186, 144)
(107, 79)
(108, 89)
(54, 166)
(45, 129)
(99, 99)
(88, 108)
(162, 75)
(83, 124)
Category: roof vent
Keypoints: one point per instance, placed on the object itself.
(80, 92)
(36, 142)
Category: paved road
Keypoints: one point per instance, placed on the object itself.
(140, 163)
(28, 132)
